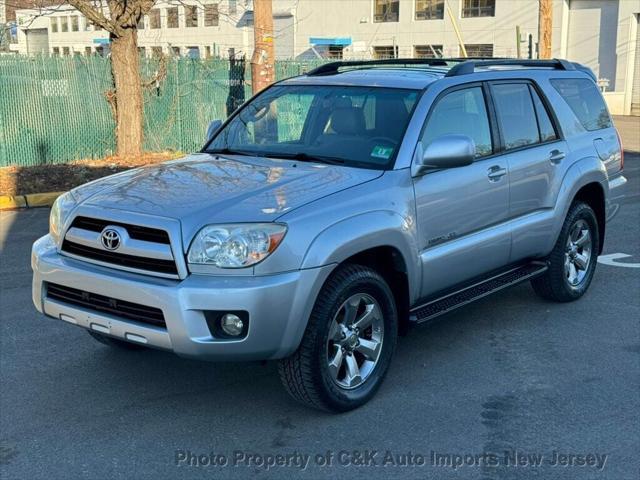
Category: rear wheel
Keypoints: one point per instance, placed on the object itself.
(572, 262)
(348, 344)
(115, 342)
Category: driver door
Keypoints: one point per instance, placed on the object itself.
(462, 212)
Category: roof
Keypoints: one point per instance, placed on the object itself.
(419, 73)
(411, 78)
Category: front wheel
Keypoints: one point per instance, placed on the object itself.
(572, 262)
(348, 344)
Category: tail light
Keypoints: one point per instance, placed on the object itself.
(621, 150)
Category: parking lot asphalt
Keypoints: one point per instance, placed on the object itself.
(496, 390)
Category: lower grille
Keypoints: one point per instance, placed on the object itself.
(129, 261)
(101, 303)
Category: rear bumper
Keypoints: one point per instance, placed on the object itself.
(278, 306)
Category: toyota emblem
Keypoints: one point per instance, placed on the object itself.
(110, 239)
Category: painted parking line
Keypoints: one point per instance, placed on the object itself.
(611, 258)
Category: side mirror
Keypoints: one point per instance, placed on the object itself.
(447, 151)
(213, 128)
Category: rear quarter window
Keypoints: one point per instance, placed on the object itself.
(585, 101)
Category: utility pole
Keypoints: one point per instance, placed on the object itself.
(262, 61)
(545, 22)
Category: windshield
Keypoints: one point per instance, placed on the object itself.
(354, 126)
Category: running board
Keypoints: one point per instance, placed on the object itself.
(459, 298)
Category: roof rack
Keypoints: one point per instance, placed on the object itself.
(333, 67)
(469, 66)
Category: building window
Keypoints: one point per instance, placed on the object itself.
(140, 25)
(87, 51)
(386, 51)
(335, 51)
(55, 51)
(429, 9)
(386, 11)
(142, 51)
(172, 17)
(175, 51)
(156, 52)
(211, 16)
(100, 50)
(427, 51)
(154, 18)
(191, 16)
(54, 25)
(75, 26)
(193, 53)
(233, 7)
(66, 51)
(207, 51)
(478, 8)
(64, 25)
(479, 50)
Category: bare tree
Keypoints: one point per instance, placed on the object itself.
(121, 22)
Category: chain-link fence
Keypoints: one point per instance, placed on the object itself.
(54, 109)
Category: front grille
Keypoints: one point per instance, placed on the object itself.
(123, 260)
(101, 303)
(135, 231)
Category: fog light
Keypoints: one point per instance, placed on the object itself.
(231, 324)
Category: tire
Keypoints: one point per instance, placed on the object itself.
(115, 342)
(307, 374)
(559, 283)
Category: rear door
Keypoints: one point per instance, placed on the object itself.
(462, 212)
(536, 155)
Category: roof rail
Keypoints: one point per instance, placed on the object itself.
(469, 66)
(333, 67)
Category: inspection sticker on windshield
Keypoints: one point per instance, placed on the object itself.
(381, 152)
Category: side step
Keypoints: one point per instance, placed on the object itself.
(459, 298)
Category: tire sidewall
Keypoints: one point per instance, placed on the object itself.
(362, 281)
(581, 212)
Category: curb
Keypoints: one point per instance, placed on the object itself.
(32, 200)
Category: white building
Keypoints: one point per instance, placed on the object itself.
(602, 34)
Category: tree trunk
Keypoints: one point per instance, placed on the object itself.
(125, 68)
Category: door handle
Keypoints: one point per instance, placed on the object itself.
(556, 156)
(496, 172)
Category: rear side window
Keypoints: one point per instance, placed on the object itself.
(461, 112)
(584, 99)
(517, 117)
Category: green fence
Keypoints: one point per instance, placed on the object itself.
(53, 109)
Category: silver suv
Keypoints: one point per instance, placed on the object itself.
(335, 210)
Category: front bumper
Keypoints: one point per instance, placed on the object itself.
(278, 305)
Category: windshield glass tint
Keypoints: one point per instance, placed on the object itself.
(357, 126)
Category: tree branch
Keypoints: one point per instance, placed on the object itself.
(97, 17)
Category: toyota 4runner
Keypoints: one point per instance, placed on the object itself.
(336, 209)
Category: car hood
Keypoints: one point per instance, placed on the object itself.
(205, 188)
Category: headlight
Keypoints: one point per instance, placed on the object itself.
(235, 246)
(59, 213)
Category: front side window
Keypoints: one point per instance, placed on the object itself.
(585, 100)
(516, 115)
(461, 112)
(386, 11)
(478, 8)
(354, 126)
(429, 9)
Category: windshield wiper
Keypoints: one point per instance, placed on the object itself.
(229, 151)
(305, 157)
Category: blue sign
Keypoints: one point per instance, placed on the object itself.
(101, 41)
(344, 41)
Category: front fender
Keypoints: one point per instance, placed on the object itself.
(373, 229)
